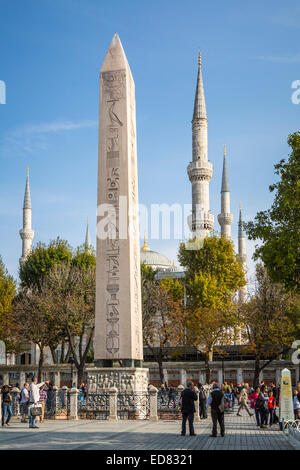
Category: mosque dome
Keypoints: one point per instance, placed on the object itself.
(154, 259)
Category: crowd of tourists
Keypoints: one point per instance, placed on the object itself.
(35, 400)
(263, 401)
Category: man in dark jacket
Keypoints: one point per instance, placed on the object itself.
(188, 398)
(202, 402)
(216, 401)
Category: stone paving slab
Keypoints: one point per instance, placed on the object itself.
(241, 434)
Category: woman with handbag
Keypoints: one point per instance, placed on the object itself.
(34, 396)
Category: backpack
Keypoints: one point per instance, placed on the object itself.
(260, 402)
(202, 395)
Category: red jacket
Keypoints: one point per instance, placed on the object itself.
(271, 402)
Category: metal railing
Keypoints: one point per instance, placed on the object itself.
(292, 429)
(94, 406)
(133, 405)
(169, 405)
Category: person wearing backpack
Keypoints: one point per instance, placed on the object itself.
(260, 407)
(253, 399)
(202, 402)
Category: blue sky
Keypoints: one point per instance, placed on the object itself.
(51, 53)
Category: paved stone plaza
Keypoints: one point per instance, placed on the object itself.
(241, 434)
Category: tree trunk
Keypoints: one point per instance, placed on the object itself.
(80, 372)
(53, 354)
(41, 362)
(207, 369)
(62, 354)
(256, 371)
(160, 368)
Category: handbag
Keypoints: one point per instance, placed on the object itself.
(35, 410)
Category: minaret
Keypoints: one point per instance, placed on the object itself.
(200, 169)
(242, 253)
(26, 233)
(225, 218)
(87, 242)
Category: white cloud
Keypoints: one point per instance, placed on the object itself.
(32, 138)
(281, 59)
(56, 126)
(287, 18)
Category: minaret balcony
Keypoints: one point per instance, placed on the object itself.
(225, 218)
(26, 234)
(200, 170)
(203, 221)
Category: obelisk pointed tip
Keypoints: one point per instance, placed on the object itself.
(115, 58)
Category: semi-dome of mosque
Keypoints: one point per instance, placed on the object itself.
(154, 259)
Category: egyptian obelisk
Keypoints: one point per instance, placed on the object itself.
(118, 327)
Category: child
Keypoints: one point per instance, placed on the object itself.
(271, 407)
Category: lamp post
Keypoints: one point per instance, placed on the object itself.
(71, 361)
(223, 372)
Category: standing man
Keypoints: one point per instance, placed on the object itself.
(24, 402)
(244, 400)
(216, 401)
(188, 398)
(34, 397)
(202, 402)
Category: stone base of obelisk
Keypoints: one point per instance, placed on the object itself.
(125, 387)
(124, 379)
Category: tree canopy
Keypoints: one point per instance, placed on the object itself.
(41, 259)
(271, 319)
(7, 294)
(278, 228)
(213, 275)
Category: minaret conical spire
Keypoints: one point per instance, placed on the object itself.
(27, 197)
(241, 224)
(242, 252)
(199, 103)
(26, 233)
(225, 218)
(87, 243)
(200, 169)
(225, 183)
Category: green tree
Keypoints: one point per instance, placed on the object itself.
(7, 294)
(41, 259)
(84, 257)
(147, 273)
(73, 305)
(33, 320)
(213, 276)
(271, 321)
(278, 228)
(163, 320)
